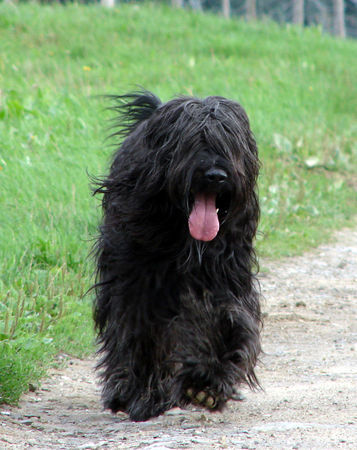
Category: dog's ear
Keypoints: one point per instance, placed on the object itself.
(132, 109)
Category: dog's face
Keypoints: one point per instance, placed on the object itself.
(206, 190)
(201, 153)
(213, 161)
(210, 196)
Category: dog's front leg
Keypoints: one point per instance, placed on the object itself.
(219, 346)
(136, 377)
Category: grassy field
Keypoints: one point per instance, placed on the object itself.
(298, 87)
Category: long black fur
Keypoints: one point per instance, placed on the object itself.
(178, 319)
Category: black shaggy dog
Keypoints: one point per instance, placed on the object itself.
(177, 309)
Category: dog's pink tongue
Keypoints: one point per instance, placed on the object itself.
(203, 221)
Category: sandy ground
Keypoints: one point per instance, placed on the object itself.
(308, 371)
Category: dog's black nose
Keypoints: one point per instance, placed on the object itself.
(215, 175)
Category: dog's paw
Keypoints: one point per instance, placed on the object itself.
(205, 398)
(237, 396)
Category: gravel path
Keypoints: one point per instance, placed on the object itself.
(308, 371)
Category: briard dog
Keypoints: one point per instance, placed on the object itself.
(177, 304)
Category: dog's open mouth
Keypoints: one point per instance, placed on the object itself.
(204, 220)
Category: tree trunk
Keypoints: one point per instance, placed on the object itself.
(108, 3)
(196, 4)
(177, 3)
(298, 12)
(226, 8)
(251, 9)
(339, 18)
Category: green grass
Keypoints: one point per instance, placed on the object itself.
(298, 87)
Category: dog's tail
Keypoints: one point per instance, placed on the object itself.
(132, 109)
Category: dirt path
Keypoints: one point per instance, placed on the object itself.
(309, 372)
